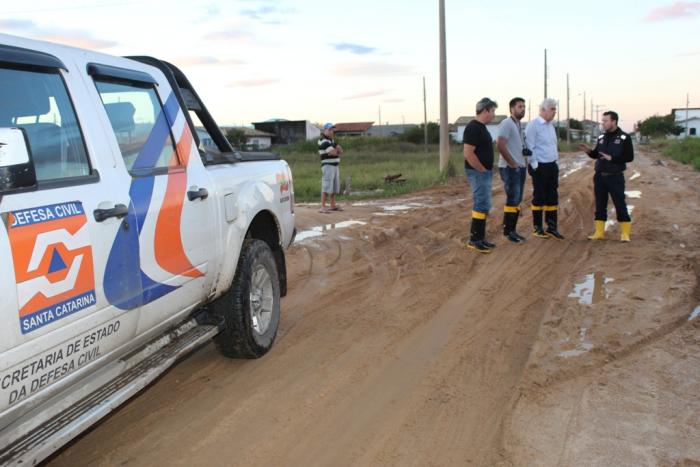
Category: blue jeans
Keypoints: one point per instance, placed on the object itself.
(514, 184)
(481, 184)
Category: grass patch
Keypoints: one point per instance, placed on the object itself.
(686, 150)
(367, 161)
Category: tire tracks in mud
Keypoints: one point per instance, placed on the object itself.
(397, 347)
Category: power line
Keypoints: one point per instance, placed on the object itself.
(66, 8)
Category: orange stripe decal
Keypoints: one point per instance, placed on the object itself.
(169, 250)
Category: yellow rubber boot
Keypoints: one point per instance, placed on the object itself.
(625, 228)
(599, 233)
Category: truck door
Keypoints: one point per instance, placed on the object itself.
(170, 192)
(55, 240)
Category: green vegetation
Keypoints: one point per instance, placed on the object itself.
(367, 160)
(236, 137)
(686, 150)
(417, 135)
(659, 126)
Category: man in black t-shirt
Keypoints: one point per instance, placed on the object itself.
(478, 166)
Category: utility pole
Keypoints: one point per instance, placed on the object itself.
(380, 115)
(583, 126)
(444, 122)
(558, 118)
(592, 110)
(687, 104)
(597, 109)
(545, 73)
(529, 115)
(568, 119)
(425, 118)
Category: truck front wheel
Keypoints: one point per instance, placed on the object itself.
(250, 310)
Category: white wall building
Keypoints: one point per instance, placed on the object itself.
(462, 122)
(687, 118)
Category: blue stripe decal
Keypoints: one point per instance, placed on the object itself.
(122, 282)
(126, 285)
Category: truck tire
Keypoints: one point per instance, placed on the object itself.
(250, 310)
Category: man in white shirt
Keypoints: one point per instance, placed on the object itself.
(541, 138)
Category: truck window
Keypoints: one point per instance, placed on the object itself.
(39, 103)
(136, 115)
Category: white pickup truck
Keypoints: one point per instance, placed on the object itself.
(125, 241)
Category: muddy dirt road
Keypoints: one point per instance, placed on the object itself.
(399, 347)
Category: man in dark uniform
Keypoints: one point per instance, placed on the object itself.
(612, 152)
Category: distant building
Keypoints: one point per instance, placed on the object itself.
(205, 140)
(689, 118)
(389, 130)
(462, 122)
(352, 129)
(289, 131)
(590, 127)
(256, 139)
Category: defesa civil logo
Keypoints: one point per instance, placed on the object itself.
(53, 263)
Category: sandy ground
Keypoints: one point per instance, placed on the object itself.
(399, 347)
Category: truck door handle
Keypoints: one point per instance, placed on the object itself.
(195, 194)
(118, 211)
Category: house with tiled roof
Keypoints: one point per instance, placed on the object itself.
(353, 128)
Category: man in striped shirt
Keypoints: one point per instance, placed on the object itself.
(330, 152)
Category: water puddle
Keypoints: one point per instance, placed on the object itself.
(404, 207)
(636, 194)
(592, 290)
(695, 313)
(320, 230)
(575, 167)
(582, 347)
(635, 175)
(376, 192)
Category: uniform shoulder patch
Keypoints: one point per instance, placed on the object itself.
(624, 137)
(601, 136)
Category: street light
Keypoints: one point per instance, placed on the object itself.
(583, 125)
(598, 107)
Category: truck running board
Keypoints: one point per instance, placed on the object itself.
(146, 364)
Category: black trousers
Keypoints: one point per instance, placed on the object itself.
(545, 184)
(606, 184)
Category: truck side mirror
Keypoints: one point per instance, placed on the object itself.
(16, 166)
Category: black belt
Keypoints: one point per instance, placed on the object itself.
(607, 174)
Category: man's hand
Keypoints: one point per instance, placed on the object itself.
(334, 152)
(585, 148)
(607, 157)
(473, 160)
(340, 149)
(502, 146)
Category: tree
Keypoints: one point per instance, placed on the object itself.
(416, 134)
(575, 124)
(659, 126)
(236, 137)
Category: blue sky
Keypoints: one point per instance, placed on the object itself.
(341, 61)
